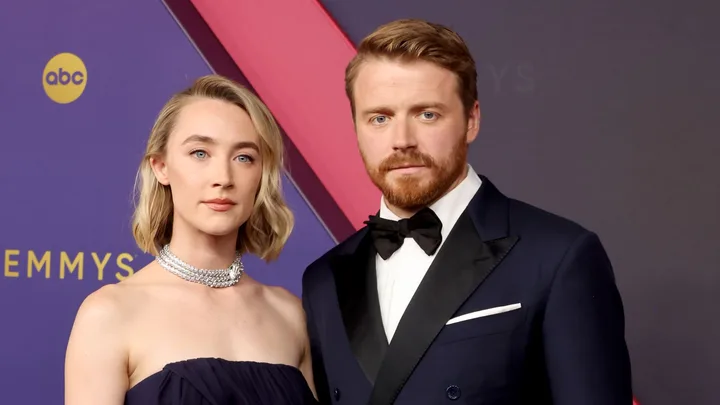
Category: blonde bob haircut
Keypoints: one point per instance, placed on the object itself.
(271, 221)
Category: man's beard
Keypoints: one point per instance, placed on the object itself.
(413, 192)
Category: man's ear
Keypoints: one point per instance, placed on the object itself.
(473, 124)
(160, 169)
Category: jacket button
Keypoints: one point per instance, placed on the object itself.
(336, 394)
(453, 392)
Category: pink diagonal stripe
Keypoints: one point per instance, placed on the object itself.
(294, 56)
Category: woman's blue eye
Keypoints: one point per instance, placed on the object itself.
(245, 159)
(200, 154)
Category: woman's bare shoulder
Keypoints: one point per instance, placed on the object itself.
(109, 305)
(287, 304)
(103, 310)
(97, 332)
(98, 347)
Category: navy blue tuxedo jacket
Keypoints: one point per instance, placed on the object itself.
(563, 345)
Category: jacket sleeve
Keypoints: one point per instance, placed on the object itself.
(584, 330)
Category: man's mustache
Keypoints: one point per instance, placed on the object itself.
(405, 159)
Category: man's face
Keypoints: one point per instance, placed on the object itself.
(413, 132)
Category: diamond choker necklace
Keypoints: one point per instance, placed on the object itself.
(212, 278)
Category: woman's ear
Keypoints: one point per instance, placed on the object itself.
(160, 169)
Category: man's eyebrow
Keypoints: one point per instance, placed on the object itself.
(384, 110)
(377, 110)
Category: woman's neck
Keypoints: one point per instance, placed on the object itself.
(204, 251)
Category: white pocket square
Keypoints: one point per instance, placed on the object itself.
(484, 312)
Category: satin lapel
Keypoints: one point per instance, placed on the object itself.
(356, 285)
(461, 265)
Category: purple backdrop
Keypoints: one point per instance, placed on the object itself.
(68, 172)
(600, 111)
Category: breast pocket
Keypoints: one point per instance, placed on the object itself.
(483, 322)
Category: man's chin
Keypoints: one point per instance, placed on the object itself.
(409, 177)
(406, 195)
(408, 184)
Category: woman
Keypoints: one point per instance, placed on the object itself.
(209, 191)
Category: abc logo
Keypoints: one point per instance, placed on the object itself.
(64, 78)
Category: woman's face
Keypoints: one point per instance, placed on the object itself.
(213, 167)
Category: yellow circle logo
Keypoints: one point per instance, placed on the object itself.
(64, 78)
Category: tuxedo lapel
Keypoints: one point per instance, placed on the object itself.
(356, 284)
(462, 264)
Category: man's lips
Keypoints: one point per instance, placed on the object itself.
(407, 168)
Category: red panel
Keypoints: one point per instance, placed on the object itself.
(294, 56)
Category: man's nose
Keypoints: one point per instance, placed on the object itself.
(403, 135)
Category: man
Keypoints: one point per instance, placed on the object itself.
(454, 291)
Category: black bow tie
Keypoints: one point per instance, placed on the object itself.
(389, 235)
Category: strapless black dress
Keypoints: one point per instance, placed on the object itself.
(212, 381)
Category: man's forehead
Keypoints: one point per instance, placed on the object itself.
(392, 72)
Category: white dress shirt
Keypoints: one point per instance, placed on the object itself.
(400, 275)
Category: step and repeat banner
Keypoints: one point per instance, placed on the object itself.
(80, 85)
